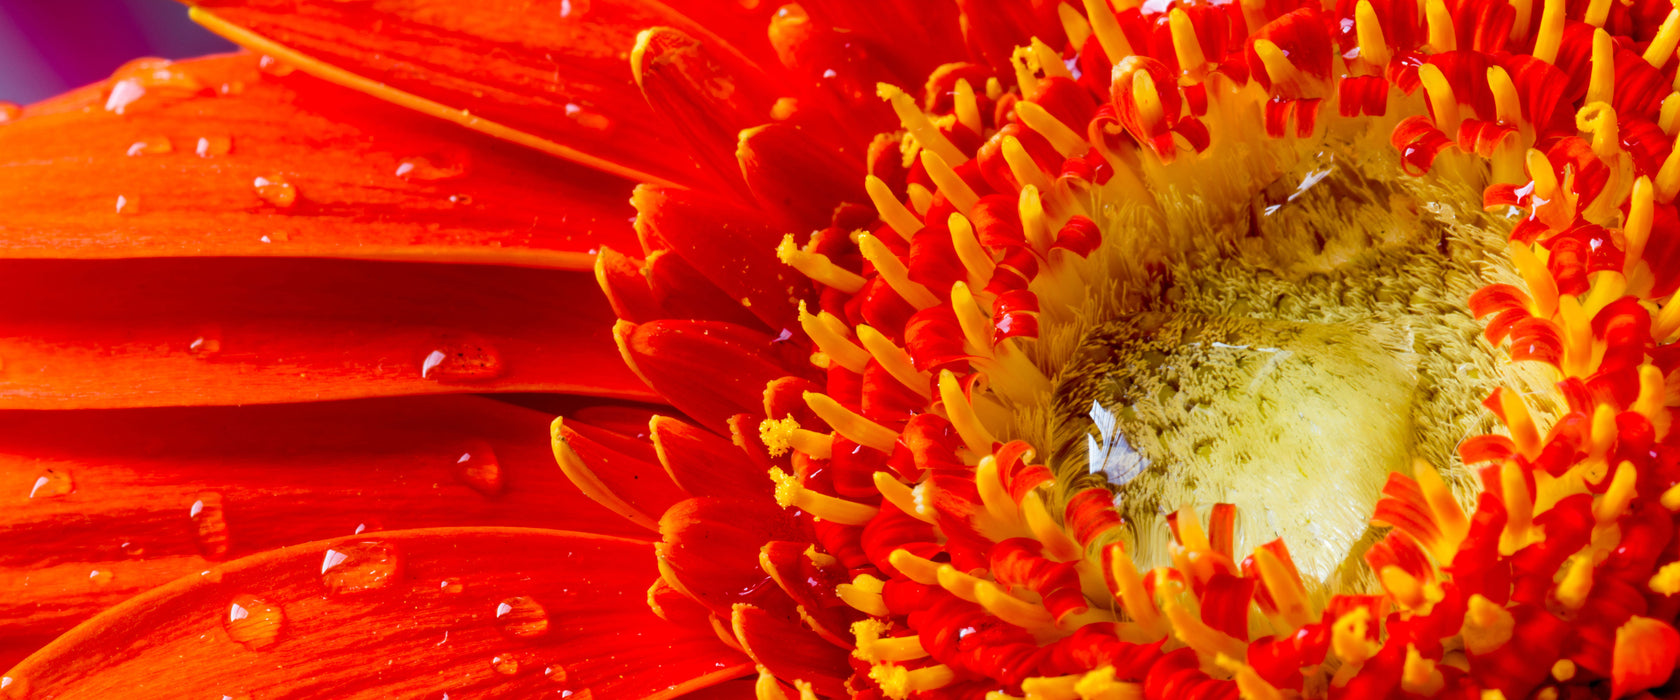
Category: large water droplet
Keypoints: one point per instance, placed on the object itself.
(461, 359)
(521, 617)
(276, 190)
(210, 527)
(212, 146)
(13, 688)
(51, 483)
(148, 78)
(150, 146)
(426, 169)
(360, 566)
(478, 468)
(9, 111)
(254, 623)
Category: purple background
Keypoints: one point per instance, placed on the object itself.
(49, 46)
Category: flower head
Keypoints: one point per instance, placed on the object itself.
(1046, 350)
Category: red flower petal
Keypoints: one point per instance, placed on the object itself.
(175, 173)
(473, 610)
(221, 331)
(101, 502)
(552, 72)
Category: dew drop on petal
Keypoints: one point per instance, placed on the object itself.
(573, 9)
(428, 170)
(143, 77)
(210, 527)
(451, 586)
(588, 118)
(13, 688)
(478, 468)
(461, 199)
(51, 483)
(9, 111)
(127, 206)
(212, 146)
(275, 190)
(274, 66)
(207, 344)
(132, 550)
(100, 577)
(360, 566)
(150, 146)
(461, 359)
(123, 94)
(521, 617)
(505, 664)
(254, 623)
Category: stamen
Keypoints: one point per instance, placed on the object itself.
(1287, 590)
(958, 583)
(1022, 166)
(1542, 287)
(956, 190)
(1078, 30)
(1519, 505)
(1100, 685)
(1668, 117)
(919, 125)
(967, 107)
(818, 267)
(1563, 670)
(851, 425)
(1011, 609)
(1051, 688)
(1066, 141)
(1577, 338)
(829, 333)
(895, 361)
(1034, 221)
(1185, 44)
(1601, 85)
(792, 494)
(874, 648)
(864, 595)
(1191, 536)
(1662, 45)
(1524, 432)
(779, 436)
(1208, 642)
(1049, 62)
(915, 568)
(766, 687)
(1419, 675)
(1373, 46)
(1597, 12)
(973, 319)
(1107, 28)
(1671, 498)
(1349, 636)
(1133, 595)
(1549, 39)
(899, 682)
(1276, 62)
(1057, 543)
(1448, 515)
(1507, 104)
(920, 198)
(1443, 37)
(1409, 592)
(902, 497)
(976, 262)
(1487, 625)
(897, 216)
(1441, 100)
(1650, 401)
(1667, 579)
(1668, 176)
(1637, 230)
(999, 506)
(897, 276)
(1577, 582)
(1149, 109)
(1619, 496)
(960, 412)
(1025, 79)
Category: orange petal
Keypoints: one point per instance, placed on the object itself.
(225, 331)
(347, 176)
(684, 361)
(99, 504)
(791, 651)
(550, 73)
(475, 611)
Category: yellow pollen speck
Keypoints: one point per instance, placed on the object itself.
(1563, 670)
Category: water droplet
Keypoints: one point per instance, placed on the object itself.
(521, 617)
(254, 623)
(461, 359)
(150, 146)
(51, 484)
(588, 118)
(369, 525)
(275, 67)
(212, 146)
(360, 566)
(210, 525)
(478, 468)
(276, 190)
(9, 111)
(132, 550)
(127, 206)
(141, 77)
(462, 199)
(505, 664)
(451, 586)
(207, 344)
(100, 577)
(123, 94)
(428, 170)
(13, 688)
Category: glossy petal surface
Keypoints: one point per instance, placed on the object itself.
(102, 505)
(179, 172)
(483, 612)
(221, 331)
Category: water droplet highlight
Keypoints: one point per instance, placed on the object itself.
(505, 664)
(275, 67)
(451, 586)
(254, 623)
(276, 190)
(461, 360)
(52, 483)
(13, 688)
(207, 344)
(210, 528)
(150, 146)
(132, 550)
(588, 118)
(462, 199)
(212, 146)
(127, 206)
(521, 617)
(141, 77)
(360, 566)
(428, 170)
(10, 111)
(101, 577)
(478, 468)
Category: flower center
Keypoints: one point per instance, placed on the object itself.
(1291, 375)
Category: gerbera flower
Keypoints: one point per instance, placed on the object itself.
(1011, 349)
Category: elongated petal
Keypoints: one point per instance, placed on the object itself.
(220, 331)
(101, 504)
(551, 72)
(177, 173)
(504, 612)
